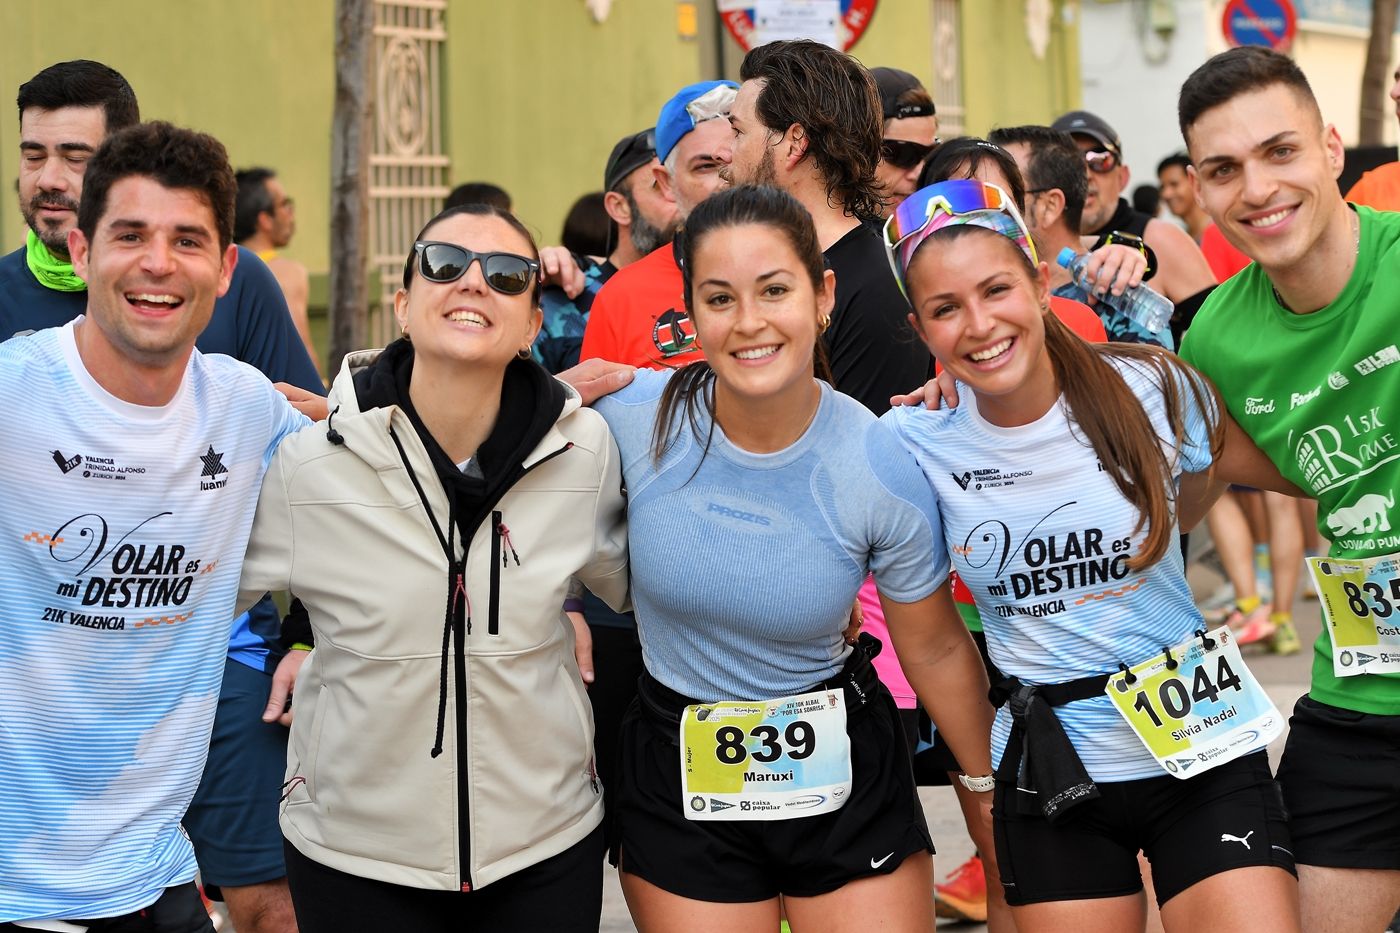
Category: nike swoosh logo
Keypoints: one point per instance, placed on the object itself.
(876, 863)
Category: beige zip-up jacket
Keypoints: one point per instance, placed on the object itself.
(342, 527)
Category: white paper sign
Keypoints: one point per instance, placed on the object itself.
(818, 20)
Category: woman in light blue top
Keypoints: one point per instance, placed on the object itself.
(759, 498)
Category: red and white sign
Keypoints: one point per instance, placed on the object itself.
(845, 30)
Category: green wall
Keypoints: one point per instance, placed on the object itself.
(1004, 84)
(538, 93)
(255, 73)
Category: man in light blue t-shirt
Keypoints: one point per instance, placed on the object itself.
(129, 473)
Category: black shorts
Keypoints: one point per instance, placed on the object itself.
(881, 824)
(1226, 818)
(562, 894)
(1341, 781)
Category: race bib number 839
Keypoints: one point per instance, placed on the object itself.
(766, 760)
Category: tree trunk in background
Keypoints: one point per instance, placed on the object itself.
(351, 126)
(1375, 78)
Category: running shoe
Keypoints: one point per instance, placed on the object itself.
(1285, 639)
(964, 895)
(1253, 627)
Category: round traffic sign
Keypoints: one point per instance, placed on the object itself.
(1270, 23)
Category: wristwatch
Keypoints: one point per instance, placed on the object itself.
(978, 785)
(1132, 241)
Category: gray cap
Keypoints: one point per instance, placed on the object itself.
(1084, 123)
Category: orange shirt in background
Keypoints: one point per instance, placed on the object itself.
(638, 317)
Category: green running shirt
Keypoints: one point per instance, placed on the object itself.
(1320, 394)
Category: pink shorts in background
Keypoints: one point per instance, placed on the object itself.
(886, 664)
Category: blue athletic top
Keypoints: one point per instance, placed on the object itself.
(122, 529)
(744, 565)
(1041, 536)
(250, 323)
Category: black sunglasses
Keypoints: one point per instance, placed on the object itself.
(1101, 161)
(441, 262)
(903, 154)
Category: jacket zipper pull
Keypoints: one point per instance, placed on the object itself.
(460, 590)
(504, 532)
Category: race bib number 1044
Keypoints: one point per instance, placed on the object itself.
(766, 760)
(1196, 706)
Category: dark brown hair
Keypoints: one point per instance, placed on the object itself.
(476, 209)
(1111, 419)
(1239, 71)
(174, 157)
(82, 83)
(834, 99)
(966, 153)
(692, 386)
(1055, 162)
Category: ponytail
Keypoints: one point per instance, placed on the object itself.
(1112, 419)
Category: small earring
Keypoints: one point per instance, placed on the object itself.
(523, 353)
(823, 323)
(404, 334)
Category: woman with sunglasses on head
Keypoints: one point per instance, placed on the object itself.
(1113, 268)
(441, 772)
(759, 499)
(1060, 477)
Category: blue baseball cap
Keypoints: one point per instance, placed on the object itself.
(680, 114)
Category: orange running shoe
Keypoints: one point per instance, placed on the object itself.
(964, 895)
(1255, 626)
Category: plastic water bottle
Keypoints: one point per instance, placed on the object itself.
(1141, 304)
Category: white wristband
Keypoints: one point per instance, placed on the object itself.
(978, 785)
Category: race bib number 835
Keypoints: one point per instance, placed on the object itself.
(1361, 605)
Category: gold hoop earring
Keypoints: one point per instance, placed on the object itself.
(523, 353)
(404, 334)
(823, 323)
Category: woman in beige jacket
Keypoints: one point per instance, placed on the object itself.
(440, 766)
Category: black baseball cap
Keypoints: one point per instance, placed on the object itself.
(630, 154)
(1084, 123)
(893, 82)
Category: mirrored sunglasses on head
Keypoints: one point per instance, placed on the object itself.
(441, 262)
(904, 154)
(930, 209)
(1101, 161)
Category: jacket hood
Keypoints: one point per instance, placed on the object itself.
(365, 401)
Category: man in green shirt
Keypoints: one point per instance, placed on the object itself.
(1303, 347)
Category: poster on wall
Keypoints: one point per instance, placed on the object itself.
(837, 23)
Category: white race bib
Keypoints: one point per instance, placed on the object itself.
(1204, 710)
(766, 760)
